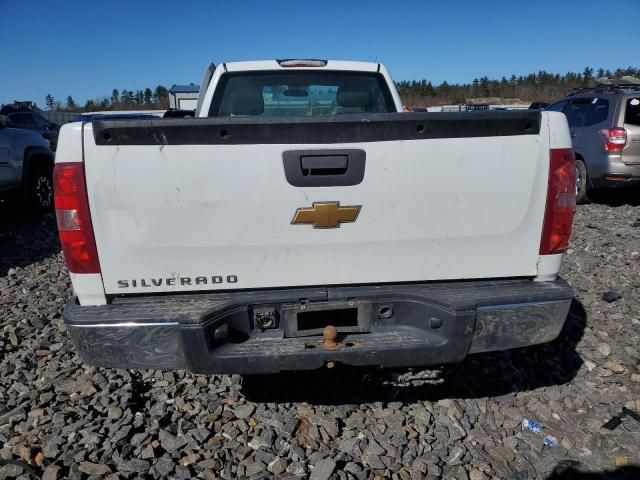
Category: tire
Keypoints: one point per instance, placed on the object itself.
(581, 182)
(40, 190)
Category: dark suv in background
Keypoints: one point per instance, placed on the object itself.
(29, 120)
(605, 130)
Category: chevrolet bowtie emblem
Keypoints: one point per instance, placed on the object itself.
(326, 215)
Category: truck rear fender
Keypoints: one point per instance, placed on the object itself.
(88, 287)
(559, 139)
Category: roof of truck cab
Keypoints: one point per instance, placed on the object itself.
(274, 65)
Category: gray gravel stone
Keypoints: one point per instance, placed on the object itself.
(170, 442)
(134, 465)
(244, 411)
(323, 469)
(164, 466)
(604, 349)
(51, 472)
(611, 296)
(277, 466)
(94, 468)
(115, 413)
(476, 474)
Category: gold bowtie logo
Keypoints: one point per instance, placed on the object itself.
(326, 215)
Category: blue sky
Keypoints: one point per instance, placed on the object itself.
(87, 48)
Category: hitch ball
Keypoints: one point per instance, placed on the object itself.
(329, 333)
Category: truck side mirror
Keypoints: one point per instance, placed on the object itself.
(3, 122)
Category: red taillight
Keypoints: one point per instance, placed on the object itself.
(614, 139)
(74, 220)
(561, 202)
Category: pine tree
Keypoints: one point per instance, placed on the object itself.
(71, 105)
(50, 102)
(161, 92)
(148, 96)
(115, 96)
(161, 96)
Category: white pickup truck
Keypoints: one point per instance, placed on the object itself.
(302, 220)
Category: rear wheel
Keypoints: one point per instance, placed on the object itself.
(581, 182)
(41, 190)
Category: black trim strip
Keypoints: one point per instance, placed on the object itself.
(317, 130)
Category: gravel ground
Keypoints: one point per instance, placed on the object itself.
(62, 419)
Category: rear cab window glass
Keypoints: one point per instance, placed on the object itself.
(599, 112)
(300, 94)
(632, 111)
(577, 111)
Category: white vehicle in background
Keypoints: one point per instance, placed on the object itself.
(302, 220)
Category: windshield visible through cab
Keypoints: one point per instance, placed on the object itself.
(300, 94)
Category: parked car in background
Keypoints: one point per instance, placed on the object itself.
(605, 130)
(26, 166)
(25, 118)
(538, 106)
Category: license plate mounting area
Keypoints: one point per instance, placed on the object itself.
(309, 319)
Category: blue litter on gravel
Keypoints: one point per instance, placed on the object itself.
(532, 426)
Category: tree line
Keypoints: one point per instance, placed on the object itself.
(141, 99)
(542, 86)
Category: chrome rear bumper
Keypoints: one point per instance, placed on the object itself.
(424, 324)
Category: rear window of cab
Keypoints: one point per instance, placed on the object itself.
(300, 93)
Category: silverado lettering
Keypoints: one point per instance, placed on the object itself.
(171, 281)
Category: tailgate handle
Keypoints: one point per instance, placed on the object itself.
(324, 168)
(324, 164)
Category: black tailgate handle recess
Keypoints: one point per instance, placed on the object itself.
(324, 168)
(324, 164)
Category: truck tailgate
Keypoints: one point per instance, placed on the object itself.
(205, 204)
